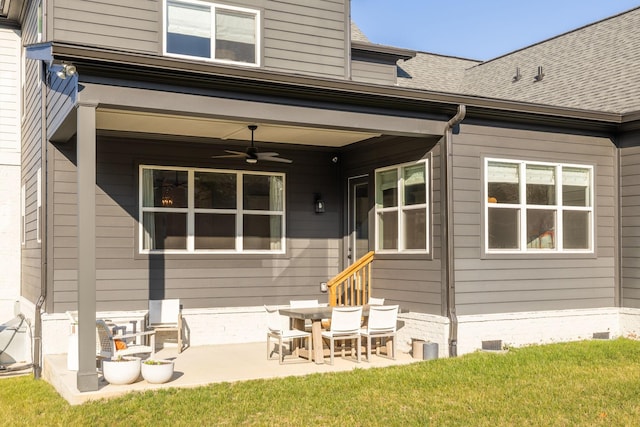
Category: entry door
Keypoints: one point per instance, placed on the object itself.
(358, 218)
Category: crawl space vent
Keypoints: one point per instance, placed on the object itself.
(493, 345)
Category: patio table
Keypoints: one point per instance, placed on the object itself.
(315, 314)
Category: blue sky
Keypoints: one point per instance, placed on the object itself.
(476, 29)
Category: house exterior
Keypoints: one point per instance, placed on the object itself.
(10, 113)
(500, 197)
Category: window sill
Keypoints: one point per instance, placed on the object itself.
(403, 256)
(539, 255)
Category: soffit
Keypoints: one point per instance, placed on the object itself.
(166, 124)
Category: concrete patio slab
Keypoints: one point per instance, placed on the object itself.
(199, 366)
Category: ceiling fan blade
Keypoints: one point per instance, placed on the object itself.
(275, 159)
(230, 156)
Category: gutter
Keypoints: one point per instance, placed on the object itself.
(226, 76)
(37, 336)
(446, 215)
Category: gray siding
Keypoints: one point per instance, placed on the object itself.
(414, 282)
(494, 284)
(31, 160)
(371, 72)
(306, 37)
(126, 279)
(630, 225)
(61, 100)
(116, 24)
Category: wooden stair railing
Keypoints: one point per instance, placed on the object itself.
(353, 285)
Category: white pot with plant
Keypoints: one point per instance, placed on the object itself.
(157, 371)
(121, 370)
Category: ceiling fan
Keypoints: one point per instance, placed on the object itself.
(251, 154)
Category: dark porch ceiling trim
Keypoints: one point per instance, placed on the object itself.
(347, 92)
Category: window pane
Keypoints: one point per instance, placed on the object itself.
(236, 36)
(575, 186)
(164, 230)
(415, 189)
(262, 232)
(263, 192)
(503, 228)
(541, 185)
(541, 225)
(215, 190)
(214, 231)
(388, 230)
(415, 229)
(188, 29)
(503, 182)
(387, 188)
(576, 226)
(164, 188)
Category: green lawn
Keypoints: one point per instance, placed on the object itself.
(586, 383)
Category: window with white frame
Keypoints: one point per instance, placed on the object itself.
(538, 207)
(211, 211)
(402, 214)
(197, 29)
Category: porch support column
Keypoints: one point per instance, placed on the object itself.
(87, 378)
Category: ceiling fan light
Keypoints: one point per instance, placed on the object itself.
(251, 160)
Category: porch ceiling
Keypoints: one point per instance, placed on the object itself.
(193, 126)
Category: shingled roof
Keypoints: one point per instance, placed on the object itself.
(434, 72)
(595, 67)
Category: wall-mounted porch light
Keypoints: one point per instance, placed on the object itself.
(67, 70)
(318, 203)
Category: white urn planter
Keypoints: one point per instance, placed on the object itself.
(123, 370)
(157, 371)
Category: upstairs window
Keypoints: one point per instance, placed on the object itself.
(538, 207)
(195, 29)
(402, 209)
(187, 210)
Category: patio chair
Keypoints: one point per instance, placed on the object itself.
(165, 316)
(376, 301)
(110, 345)
(382, 324)
(276, 329)
(345, 324)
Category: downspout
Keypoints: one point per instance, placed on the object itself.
(37, 339)
(446, 215)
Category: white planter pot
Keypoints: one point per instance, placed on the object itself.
(123, 371)
(159, 372)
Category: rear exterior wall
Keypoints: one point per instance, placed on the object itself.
(413, 281)
(490, 283)
(630, 225)
(302, 37)
(126, 279)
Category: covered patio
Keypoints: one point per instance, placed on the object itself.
(203, 365)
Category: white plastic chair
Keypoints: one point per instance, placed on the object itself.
(345, 324)
(382, 323)
(278, 328)
(107, 344)
(165, 316)
(376, 301)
